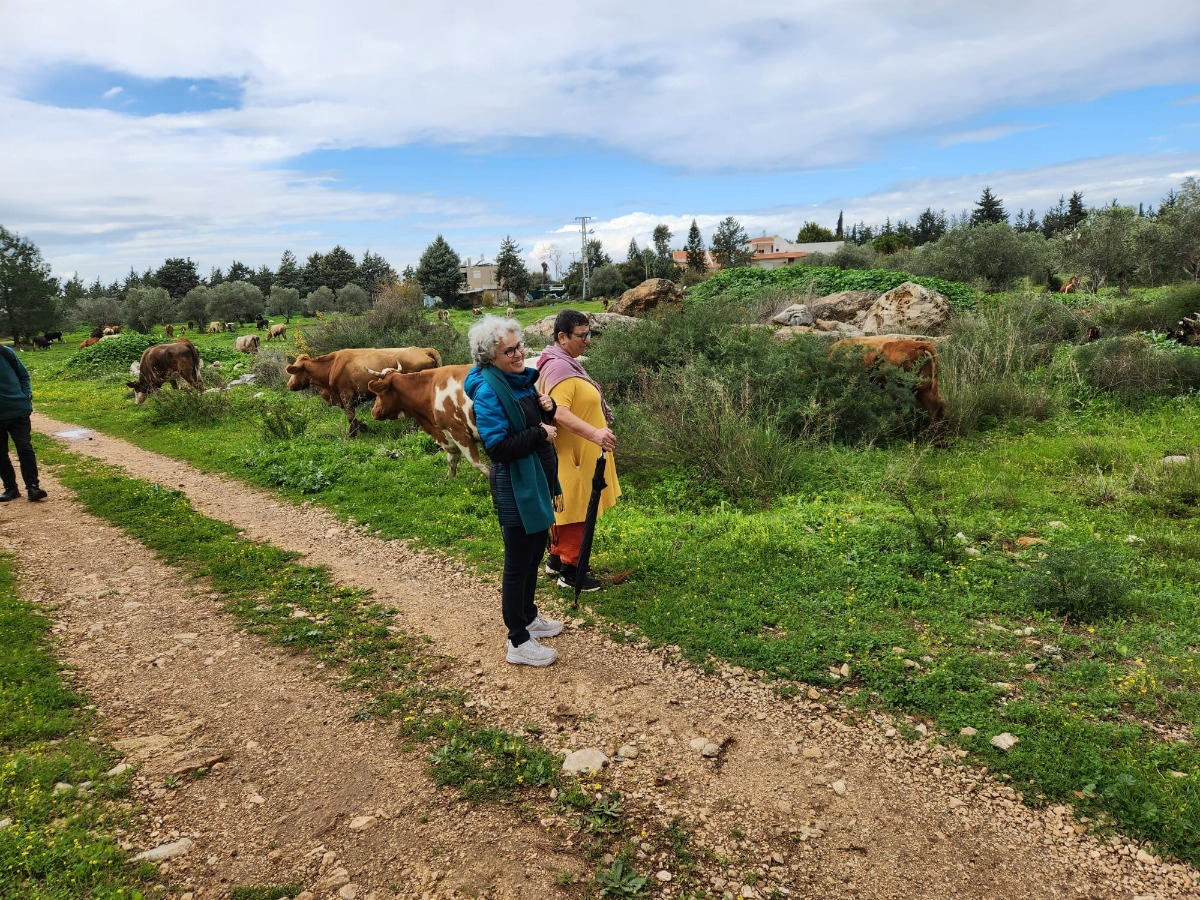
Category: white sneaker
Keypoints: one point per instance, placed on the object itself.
(531, 653)
(544, 628)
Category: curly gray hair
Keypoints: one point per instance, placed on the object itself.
(485, 336)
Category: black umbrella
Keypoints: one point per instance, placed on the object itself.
(589, 525)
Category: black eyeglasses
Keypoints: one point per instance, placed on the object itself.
(583, 335)
(514, 352)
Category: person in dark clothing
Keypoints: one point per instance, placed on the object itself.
(16, 405)
(514, 423)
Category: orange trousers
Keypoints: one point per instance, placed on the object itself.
(565, 541)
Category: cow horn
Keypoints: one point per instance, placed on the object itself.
(373, 372)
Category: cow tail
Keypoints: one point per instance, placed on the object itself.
(195, 354)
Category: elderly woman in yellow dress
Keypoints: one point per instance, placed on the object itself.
(584, 422)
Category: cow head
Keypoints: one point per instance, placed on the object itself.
(140, 391)
(387, 397)
(298, 371)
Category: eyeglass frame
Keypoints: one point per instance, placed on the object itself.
(514, 351)
(585, 336)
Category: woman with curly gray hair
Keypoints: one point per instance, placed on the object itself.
(514, 423)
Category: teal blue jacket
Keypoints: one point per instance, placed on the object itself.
(16, 393)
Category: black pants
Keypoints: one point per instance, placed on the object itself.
(522, 566)
(18, 429)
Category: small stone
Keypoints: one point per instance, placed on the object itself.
(663, 876)
(1004, 741)
(585, 761)
(5, 822)
(348, 892)
(839, 787)
(1144, 857)
(711, 750)
(256, 799)
(783, 806)
(628, 751)
(968, 731)
(1057, 524)
(62, 787)
(165, 851)
(973, 551)
(699, 743)
(955, 803)
(362, 823)
(118, 769)
(813, 694)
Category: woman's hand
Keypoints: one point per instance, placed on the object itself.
(545, 402)
(605, 438)
(551, 431)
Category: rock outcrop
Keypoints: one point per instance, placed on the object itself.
(647, 296)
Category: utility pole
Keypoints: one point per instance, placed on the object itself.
(583, 231)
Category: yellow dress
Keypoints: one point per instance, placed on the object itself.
(577, 456)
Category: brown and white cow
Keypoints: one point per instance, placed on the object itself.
(908, 354)
(246, 343)
(342, 376)
(163, 364)
(443, 315)
(276, 331)
(435, 399)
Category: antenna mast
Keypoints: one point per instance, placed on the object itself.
(583, 233)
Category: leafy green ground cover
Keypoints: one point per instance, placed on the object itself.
(1085, 646)
(741, 283)
(54, 845)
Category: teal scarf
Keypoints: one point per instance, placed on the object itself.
(530, 490)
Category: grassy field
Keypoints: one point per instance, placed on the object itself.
(1038, 577)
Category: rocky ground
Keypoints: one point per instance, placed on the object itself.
(782, 796)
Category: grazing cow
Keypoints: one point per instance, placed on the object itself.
(1071, 286)
(87, 342)
(181, 330)
(163, 364)
(342, 376)
(260, 323)
(276, 331)
(476, 311)
(169, 330)
(232, 326)
(54, 336)
(436, 401)
(247, 343)
(508, 312)
(902, 353)
(192, 324)
(214, 328)
(1093, 334)
(41, 342)
(443, 315)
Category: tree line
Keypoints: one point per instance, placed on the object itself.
(1106, 245)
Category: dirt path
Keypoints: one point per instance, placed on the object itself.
(799, 800)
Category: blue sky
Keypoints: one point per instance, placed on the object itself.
(133, 133)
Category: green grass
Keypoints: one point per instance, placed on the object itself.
(848, 569)
(56, 845)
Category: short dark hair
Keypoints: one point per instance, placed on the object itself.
(567, 321)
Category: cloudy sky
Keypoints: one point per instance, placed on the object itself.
(134, 132)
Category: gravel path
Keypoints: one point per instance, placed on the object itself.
(801, 797)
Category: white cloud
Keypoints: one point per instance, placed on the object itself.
(112, 92)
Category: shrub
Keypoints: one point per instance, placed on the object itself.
(708, 436)
(1157, 310)
(1083, 582)
(111, 356)
(171, 407)
(1132, 369)
(391, 326)
(1171, 489)
(733, 285)
(269, 369)
(282, 417)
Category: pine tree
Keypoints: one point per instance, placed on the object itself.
(338, 268)
(288, 274)
(838, 234)
(511, 274)
(177, 276)
(635, 252)
(664, 263)
(439, 273)
(1076, 211)
(989, 210)
(1055, 220)
(729, 244)
(697, 257)
(930, 226)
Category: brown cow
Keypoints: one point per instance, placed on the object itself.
(436, 401)
(214, 327)
(169, 330)
(342, 376)
(1071, 286)
(443, 315)
(276, 331)
(247, 343)
(87, 342)
(166, 363)
(908, 354)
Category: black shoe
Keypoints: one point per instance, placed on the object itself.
(36, 494)
(566, 579)
(9, 494)
(554, 565)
